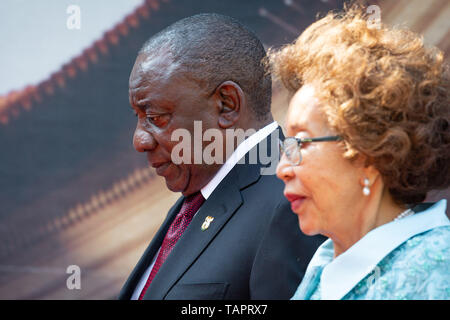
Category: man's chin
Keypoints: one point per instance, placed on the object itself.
(174, 186)
(184, 181)
(178, 184)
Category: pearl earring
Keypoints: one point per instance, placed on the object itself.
(366, 189)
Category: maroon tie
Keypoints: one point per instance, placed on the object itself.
(190, 206)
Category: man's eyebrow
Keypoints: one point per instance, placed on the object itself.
(144, 104)
(143, 101)
(139, 103)
(139, 106)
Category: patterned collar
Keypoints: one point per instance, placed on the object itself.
(340, 275)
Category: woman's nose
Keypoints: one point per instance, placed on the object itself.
(143, 140)
(285, 171)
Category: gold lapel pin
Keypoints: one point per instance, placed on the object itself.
(207, 222)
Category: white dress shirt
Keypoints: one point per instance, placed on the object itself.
(244, 147)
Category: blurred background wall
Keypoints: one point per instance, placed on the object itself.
(73, 191)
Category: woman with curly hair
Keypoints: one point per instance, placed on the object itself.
(369, 137)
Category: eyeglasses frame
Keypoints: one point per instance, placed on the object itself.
(303, 140)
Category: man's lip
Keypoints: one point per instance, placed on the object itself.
(161, 167)
(156, 165)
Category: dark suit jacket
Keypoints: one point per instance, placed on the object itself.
(253, 249)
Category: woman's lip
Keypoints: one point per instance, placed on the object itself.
(295, 200)
(293, 197)
(296, 204)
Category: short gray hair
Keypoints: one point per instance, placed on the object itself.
(216, 48)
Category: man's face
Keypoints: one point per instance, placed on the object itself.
(164, 100)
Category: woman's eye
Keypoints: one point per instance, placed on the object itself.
(304, 144)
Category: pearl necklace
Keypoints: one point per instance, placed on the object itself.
(404, 214)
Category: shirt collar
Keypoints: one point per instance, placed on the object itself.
(341, 274)
(240, 151)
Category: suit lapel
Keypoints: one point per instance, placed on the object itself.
(149, 253)
(221, 205)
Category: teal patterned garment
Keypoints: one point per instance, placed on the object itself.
(418, 270)
(416, 266)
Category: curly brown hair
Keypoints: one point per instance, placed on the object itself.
(385, 93)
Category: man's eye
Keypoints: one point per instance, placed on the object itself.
(154, 118)
(159, 120)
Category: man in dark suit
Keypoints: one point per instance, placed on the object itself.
(231, 235)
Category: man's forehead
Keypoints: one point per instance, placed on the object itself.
(152, 66)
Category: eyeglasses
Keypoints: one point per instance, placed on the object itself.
(291, 147)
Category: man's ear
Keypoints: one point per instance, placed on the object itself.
(229, 99)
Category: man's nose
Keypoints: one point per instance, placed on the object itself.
(285, 170)
(143, 140)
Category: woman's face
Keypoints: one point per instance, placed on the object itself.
(324, 189)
